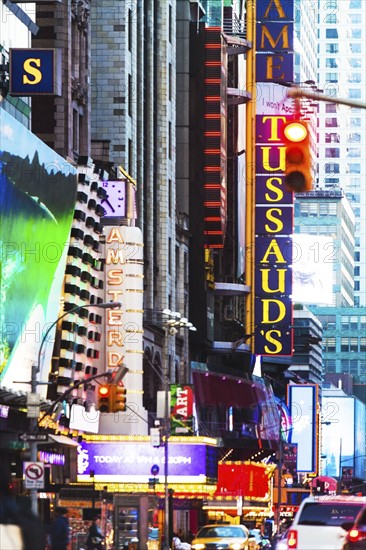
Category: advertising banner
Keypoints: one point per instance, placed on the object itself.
(274, 41)
(37, 203)
(303, 403)
(131, 462)
(181, 413)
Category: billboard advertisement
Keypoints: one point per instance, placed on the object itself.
(37, 201)
(126, 461)
(303, 402)
(181, 412)
(312, 268)
(338, 431)
(273, 241)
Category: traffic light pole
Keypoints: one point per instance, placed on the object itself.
(297, 92)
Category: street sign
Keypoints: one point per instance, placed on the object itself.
(34, 475)
(33, 405)
(33, 437)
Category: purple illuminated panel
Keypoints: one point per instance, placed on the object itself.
(135, 459)
(273, 241)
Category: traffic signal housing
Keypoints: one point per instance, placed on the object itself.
(118, 397)
(105, 398)
(298, 177)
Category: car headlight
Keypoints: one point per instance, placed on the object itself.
(236, 546)
(198, 546)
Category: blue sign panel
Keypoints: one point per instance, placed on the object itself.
(280, 10)
(275, 67)
(275, 220)
(275, 41)
(35, 72)
(271, 190)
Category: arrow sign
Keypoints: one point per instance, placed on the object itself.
(33, 437)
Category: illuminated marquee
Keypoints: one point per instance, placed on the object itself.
(35, 71)
(275, 30)
(273, 243)
(124, 283)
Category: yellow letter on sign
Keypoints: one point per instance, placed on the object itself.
(29, 68)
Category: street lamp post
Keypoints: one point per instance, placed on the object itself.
(34, 383)
(171, 327)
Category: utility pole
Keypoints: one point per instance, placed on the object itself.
(297, 92)
(33, 399)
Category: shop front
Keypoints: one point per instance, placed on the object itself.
(131, 474)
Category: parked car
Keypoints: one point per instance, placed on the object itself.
(356, 536)
(217, 536)
(321, 523)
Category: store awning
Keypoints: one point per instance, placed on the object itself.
(62, 440)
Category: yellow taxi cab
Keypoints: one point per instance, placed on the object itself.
(221, 537)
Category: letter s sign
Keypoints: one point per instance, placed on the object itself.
(33, 71)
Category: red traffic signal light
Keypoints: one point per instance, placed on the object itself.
(119, 397)
(298, 178)
(104, 398)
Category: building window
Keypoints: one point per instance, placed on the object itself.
(356, 33)
(332, 138)
(129, 24)
(354, 138)
(355, 122)
(330, 108)
(332, 48)
(331, 63)
(355, 63)
(344, 344)
(355, 4)
(331, 18)
(330, 344)
(331, 33)
(331, 77)
(130, 95)
(354, 93)
(331, 168)
(354, 168)
(332, 152)
(354, 78)
(331, 122)
(355, 48)
(355, 18)
(354, 153)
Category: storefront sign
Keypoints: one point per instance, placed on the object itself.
(131, 462)
(274, 41)
(273, 243)
(35, 71)
(181, 416)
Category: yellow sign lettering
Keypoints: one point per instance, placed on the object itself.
(271, 217)
(271, 186)
(274, 249)
(281, 161)
(29, 67)
(274, 126)
(280, 10)
(281, 310)
(272, 41)
(271, 67)
(280, 280)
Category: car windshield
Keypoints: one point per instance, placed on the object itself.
(220, 532)
(316, 513)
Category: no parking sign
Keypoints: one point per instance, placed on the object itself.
(34, 475)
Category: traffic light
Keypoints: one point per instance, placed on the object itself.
(298, 178)
(105, 398)
(118, 397)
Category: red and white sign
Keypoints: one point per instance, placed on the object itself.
(34, 475)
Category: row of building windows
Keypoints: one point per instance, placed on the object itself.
(356, 345)
(334, 152)
(334, 168)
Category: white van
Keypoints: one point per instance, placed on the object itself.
(322, 522)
